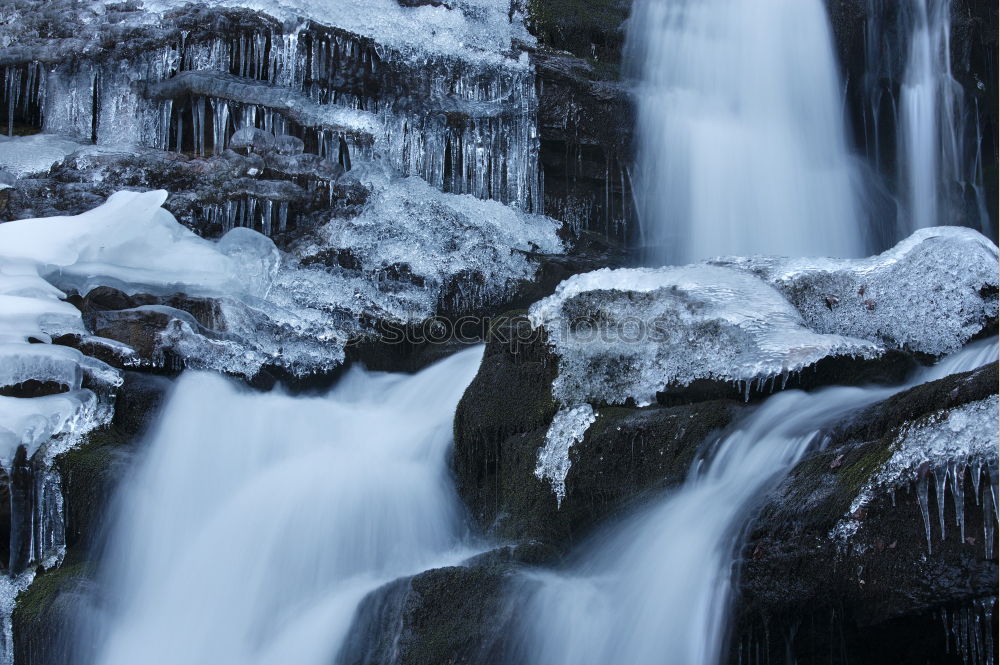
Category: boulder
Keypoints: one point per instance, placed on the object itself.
(820, 560)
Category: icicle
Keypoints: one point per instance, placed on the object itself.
(924, 512)
(940, 484)
(282, 216)
(198, 124)
(988, 520)
(266, 208)
(957, 471)
(987, 608)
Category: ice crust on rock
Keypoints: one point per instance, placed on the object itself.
(626, 334)
(938, 450)
(441, 237)
(568, 427)
(479, 30)
(930, 293)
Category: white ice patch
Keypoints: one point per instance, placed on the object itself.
(626, 334)
(567, 428)
(923, 295)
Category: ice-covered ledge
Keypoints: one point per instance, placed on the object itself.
(625, 335)
(930, 293)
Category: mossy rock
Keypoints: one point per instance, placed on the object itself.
(90, 472)
(46, 615)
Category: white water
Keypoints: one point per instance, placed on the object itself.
(740, 131)
(257, 522)
(655, 589)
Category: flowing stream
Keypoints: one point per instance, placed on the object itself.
(256, 522)
(741, 138)
(656, 588)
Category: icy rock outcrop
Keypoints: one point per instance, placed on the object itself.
(453, 247)
(430, 86)
(938, 449)
(135, 246)
(930, 293)
(624, 335)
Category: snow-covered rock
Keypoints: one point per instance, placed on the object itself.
(930, 293)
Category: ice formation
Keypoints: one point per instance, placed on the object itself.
(443, 92)
(439, 239)
(132, 244)
(626, 334)
(568, 427)
(471, 29)
(930, 293)
(940, 449)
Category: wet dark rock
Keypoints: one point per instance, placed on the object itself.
(586, 126)
(882, 581)
(461, 615)
(90, 472)
(33, 388)
(589, 29)
(627, 455)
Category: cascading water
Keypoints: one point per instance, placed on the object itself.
(740, 131)
(256, 522)
(659, 582)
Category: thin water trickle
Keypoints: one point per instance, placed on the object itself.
(255, 523)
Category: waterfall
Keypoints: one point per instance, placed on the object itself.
(932, 166)
(255, 523)
(924, 131)
(659, 582)
(740, 131)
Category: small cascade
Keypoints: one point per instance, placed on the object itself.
(356, 480)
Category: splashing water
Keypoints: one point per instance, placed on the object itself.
(256, 522)
(659, 583)
(741, 138)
